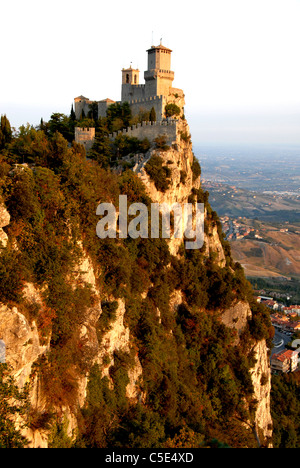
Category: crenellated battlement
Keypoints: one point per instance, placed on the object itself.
(145, 100)
(162, 123)
(151, 130)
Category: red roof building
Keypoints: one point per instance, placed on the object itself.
(285, 361)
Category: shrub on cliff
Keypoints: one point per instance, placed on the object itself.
(161, 143)
(159, 173)
(126, 145)
(196, 169)
(285, 408)
(172, 110)
(13, 402)
(12, 275)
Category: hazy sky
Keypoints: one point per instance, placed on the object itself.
(236, 60)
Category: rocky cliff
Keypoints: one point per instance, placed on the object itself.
(180, 158)
(4, 221)
(103, 345)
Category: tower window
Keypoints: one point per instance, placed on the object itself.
(127, 78)
(135, 79)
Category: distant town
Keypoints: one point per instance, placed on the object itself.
(285, 355)
(236, 230)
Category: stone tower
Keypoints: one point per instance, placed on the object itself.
(159, 77)
(130, 79)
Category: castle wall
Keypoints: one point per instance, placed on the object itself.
(164, 83)
(151, 130)
(103, 106)
(151, 88)
(145, 105)
(80, 106)
(131, 92)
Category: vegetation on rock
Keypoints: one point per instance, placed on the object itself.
(196, 383)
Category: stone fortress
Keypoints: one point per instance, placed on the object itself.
(156, 93)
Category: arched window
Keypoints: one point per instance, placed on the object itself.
(135, 79)
(127, 78)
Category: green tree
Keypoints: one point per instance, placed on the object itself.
(152, 116)
(172, 110)
(93, 111)
(30, 146)
(12, 275)
(59, 151)
(5, 132)
(102, 149)
(22, 199)
(159, 173)
(196, 169)
(72, 114)
(13, 402)
(118, 116)
(62, 124)
(285, 408)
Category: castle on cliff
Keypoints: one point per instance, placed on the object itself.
(156, 93)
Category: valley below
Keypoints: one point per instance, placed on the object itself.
(257, 197)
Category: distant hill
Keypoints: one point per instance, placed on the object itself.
(279, 255)
(229, 200)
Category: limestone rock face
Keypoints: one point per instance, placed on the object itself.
(4, 221)
(236, 317)
(21, 341)
(178, 158)
(23, 349)
(261, 379)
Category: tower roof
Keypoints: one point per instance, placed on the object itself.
(107, 100)
(159, 47)
(82, 98)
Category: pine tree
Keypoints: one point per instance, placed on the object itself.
(5, 131)
(12, 403)
(152, 116)
(72, 114)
